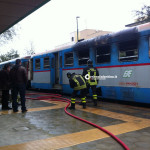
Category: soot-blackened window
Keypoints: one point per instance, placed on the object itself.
(83, 56)
(103, 54)
(69, 59)
(128, 51)
(46, 63)
(37, 63)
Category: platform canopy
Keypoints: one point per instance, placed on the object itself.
(13, 11)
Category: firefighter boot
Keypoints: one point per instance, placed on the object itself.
(95, 99)
(95, 102)
(72, 106)
(84, 105)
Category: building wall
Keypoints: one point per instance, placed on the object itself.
(84, 34)
(87, 34)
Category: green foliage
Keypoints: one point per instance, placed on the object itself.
(143, 14)
(9, 34)
(9, 55)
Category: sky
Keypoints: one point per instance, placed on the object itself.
(52, 24)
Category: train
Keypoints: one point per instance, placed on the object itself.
(25, 63)
(122, 59)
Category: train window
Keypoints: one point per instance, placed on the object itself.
(103, 54)
(37, 63)
(128, 51)
(46, 63)
(83, 57)
(25, 64)
(69, 59)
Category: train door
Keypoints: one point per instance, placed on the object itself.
(56, 68)
(55, 71)
(30, 72)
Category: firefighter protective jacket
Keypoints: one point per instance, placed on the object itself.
(77, 82)
(91, 71)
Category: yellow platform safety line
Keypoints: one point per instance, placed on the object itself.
(132, 123)
(58, 105)
(114, 115)
(68, 140)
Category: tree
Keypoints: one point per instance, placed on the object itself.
(9, 34)
(9, 55)
(30, 50)
(143, 14)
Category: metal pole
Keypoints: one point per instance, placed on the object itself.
(77, 28)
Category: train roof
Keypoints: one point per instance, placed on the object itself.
(53, 50)
(123, 35)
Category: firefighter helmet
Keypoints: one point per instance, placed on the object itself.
(89, 62)
(68, 74)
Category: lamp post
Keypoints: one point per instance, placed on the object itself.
(77, 28)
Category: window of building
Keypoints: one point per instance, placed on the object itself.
(103, 54)
(46, 63)
(69, 59)
(37, 64)
(83, 56)
(128, 51)
(72, 39)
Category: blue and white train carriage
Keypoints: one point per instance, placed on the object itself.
(24, 60)
(122, 58)
(25, 63)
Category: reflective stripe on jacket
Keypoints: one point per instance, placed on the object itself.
(91, 71)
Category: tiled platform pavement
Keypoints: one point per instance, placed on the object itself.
(46, 127)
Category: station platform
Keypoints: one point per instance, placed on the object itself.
(46, 126)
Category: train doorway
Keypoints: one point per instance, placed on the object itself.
(56, 71)
(56, 68)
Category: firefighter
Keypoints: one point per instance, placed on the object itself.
(91, 82)
(78, 83)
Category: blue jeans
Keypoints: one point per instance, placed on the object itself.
(21, 89)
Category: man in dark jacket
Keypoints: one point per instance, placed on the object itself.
(92, 82)
(77, 82)
(18, 77)
(5, 86)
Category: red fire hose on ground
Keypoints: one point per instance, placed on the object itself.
(57, 97)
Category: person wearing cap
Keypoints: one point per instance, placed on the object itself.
(77, 82)
(18, 77)
(91, 82)
(5, 86)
